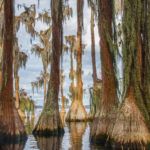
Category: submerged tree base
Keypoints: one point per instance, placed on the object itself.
(101, 127)
(12, 139)
(49, 124)
(12, 129)
(130, 128)
(77, 112)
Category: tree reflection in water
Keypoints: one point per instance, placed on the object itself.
(49, 143)
(19, 146)
(77, 130)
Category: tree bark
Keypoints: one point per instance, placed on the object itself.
(131, 126)
(17, 102)
(1, 38)
(146, 53)
(77, 110)
(49, 122)
(104, 119)
(45, 88)
(11, 126)
(93, 48)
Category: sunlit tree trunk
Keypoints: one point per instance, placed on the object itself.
(11, 126)
(93, 47)
(77, 111)
(49, 122)
(105, 117)
(17, 91)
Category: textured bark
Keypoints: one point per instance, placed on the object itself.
(131, 127)
(130, 130)
(17, 92)
(76, 112)
(77, 106)
(0, 80)
(108, 103)
(45, 89)
(49, 122)
(93, 48)
(11, 126)
(145, 31)
(1, 38)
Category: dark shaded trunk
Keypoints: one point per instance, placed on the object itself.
(0, 80)
(11, 126)
(61, 87)
(77, 110)
(146, 53)
(49, 122)
(104, 119)
(1, 38)
(93, 48)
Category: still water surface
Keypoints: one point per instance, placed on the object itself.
(76, 137)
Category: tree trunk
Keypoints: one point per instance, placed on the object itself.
(49, 122)
(11, 126)
(104, 119)
(45, 88)
(77, 111)
(17, 102)
(0, 80)
(1, 38)
(131, 127)
(146, 53)
(93, 48)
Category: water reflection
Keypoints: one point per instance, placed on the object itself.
(29, 125)
(77, 129)
(62, 116)
(12, 146)
(50, 143)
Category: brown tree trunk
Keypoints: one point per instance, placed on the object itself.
(77, 111)
(1, 38)
(45, 89)
(0, 80)
(146, 53)
(130, 129)
(49, 122)
(93, 48)
(11, 126)
(17, 102)
(109, 99)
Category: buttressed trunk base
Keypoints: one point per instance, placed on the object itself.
(77, 112)
(130, 129)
